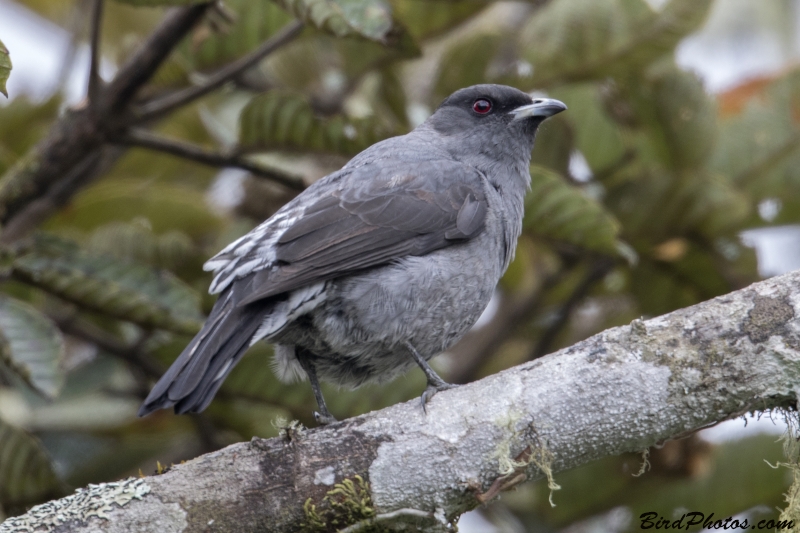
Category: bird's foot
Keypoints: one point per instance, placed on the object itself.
(432, 389)
(323, 419)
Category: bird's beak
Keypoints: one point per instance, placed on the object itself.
(541, 107)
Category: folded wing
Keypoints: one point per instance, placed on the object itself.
(374, 214)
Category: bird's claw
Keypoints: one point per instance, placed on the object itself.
(432, 389)
(324, 419)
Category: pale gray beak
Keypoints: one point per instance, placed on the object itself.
(541, 107)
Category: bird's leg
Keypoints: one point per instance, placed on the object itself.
(435, 383)
(323, 417)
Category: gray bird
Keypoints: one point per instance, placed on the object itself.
(378, 266)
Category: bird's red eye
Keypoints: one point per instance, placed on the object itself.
(482, 106)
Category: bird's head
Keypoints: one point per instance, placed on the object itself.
(498, 109)
(496, 121)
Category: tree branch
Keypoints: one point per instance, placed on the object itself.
(151, 141)
(162, 106)
(94, 40)
(144, 63)
(38, 209)
(645, 383)
(81, 133)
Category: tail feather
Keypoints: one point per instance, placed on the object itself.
(191, 382)
(212, 380)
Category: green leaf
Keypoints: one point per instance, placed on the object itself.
(371, 19)
(716, 204)
(126, 291)
(5, 68)
(554, 146)
(26, 473)
(165, 207)
(597, 137)
(677, 113)
(557, 210)
(576, 40)
(278, 120)
(655, 204)
(254, 21)
(135, 242)
(31, 346)
(329, 70)
(425, 19)
(465, 62)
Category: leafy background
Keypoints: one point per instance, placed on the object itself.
(643, 197)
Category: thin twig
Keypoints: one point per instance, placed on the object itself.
(161, 106)
(144, 63)
(133, 354)
(94, 40)
(771, 161)
(597, 273)
(369, 524)
(152, 141)
(75, 26)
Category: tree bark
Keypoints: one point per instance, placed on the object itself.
(622, 390)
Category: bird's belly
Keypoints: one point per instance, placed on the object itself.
(359, 333)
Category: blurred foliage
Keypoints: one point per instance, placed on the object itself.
(26, 473)
(24, 122)
(5, 68)
(638, 196)
(285, 121)
(32, 347)
(370, 19)
(246, 24)
(118, 289)
(689, 474)
(563, 212)
(160, 2)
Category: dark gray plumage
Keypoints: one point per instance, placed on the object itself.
(378, 266)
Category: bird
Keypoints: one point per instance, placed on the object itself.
(378, 266)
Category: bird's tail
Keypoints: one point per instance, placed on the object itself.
(194, 378)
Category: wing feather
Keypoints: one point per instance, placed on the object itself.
(369, 215)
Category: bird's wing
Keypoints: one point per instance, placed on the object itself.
(378, 212)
